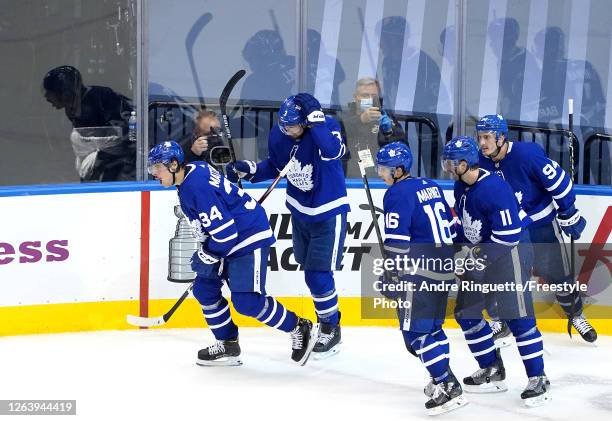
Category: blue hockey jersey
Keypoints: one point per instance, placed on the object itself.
(488, 212)
(315, 189)
(538, 182)
(418, 221)
(228, 221)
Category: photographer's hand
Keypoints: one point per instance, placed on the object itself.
(370, 115)
(200, 145)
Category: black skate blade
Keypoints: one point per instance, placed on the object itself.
(221, 362)
(312, 341)
(492, 387)
(451, 405)
(537, 400)
(318, 356)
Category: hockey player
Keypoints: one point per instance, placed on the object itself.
(491, 229)
(418, 224)
(545, 192)
(316, 197)
(235, 239)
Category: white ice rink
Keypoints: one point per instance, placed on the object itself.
(151, 374)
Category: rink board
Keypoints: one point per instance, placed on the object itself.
(82, 257)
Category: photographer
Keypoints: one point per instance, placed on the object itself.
(206, 135)
(367, 124)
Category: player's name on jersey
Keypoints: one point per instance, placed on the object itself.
(428, 194)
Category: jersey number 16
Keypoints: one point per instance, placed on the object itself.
(440, 227)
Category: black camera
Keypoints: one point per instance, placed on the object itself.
(215, 138)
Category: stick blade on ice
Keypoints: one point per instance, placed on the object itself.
(145, 321)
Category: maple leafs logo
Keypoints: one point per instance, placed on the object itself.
(197, 231)
(471, 227)
(300, 177)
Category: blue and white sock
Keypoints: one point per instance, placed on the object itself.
(530, 346)
(219, 320)
(479, 338)
(275, 315)
(432, 353)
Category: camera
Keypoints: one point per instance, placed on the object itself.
(215, 137)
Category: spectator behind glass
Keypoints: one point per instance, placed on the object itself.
(99, 117)
(197, 146)
(367, 125)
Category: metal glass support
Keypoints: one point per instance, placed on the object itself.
(142, 91)
(301, 28)
(459, 113)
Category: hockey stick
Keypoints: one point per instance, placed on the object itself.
(193, 34)
(570, 108)
(222, 105)
(160, 320)
(366, 161)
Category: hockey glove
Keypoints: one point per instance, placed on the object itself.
(390, 283)
(311, 108)
(241, 169)
(385, 123)
(571, 222)
(203, 262)
(479, 259)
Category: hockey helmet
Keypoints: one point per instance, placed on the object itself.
(164, 153)
(493, 123)
(289, 114)
(394, 155)
(461, 148)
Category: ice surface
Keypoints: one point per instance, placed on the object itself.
(151, 374)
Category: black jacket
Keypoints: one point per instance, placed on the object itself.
(358, 135)
(186, 142)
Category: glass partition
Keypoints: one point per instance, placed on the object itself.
(68, 83)
(526, 58)
(194, 50)
(70, 79)
(371, 60)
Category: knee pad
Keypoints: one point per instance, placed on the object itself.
(248, 303)
(207, 291)
(319, 282)
(409, 338)
(469, 324)
(520, 327)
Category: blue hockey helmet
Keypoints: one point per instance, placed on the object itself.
(394, 155)
(164, 153)
(289, 114)
(493, 123)
(461, 148)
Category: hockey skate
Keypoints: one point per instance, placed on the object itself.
(328, 343)
(537, 391)
(487, 380)
(428, 390)
(221, 353)
(502, 335)
(303, 339)
(585, 329)
(447, 396)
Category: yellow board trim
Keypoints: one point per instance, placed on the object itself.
(111, 315)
